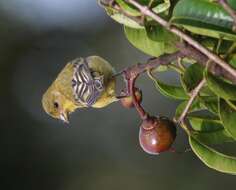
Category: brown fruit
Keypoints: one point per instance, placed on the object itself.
(156, 135)
(127, 102)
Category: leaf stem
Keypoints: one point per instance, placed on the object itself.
(193, 95)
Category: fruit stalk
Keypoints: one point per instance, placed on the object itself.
(142, 113)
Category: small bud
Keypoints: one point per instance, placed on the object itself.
(156, 135)
(127, 102)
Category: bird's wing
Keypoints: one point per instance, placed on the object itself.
(83, 84)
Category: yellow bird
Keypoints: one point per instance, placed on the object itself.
(83, 82)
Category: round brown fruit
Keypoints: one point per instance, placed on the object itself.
(127, 102)
(156, 135)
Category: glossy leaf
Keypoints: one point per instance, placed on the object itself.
(196, 106)
(205, 123)
(192, 76)
(209, 131)
(215, 137)
(213, 158)
(232, 61)
(157, 33)
(232, 4)
(204, 18)
(220, 87)
(210, 103)
(171, 91)
(228, 117)
(201, 103)
(139, 39)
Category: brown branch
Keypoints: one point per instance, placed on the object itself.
(213, 57)
(165, 59)
(193, 95)
(131, 73)
(201, 59)
(229, 10)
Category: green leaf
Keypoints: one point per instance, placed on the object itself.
(212, 158)
(204, 18)
(158, 33)
(157, 6)
(147, 2)
(211, 43)
(161, 68)
(171, 91)
(228, 117)
(139, 39)
(201, 103)
(220, 87)
(215, 137)
(162, 7)
(210, 103)
(209, 131)
(122, 19)
(205, 124)
(128, 8)
(232, 4)
(194, 107)
(232, 61)
(232, 104)
(192, 76)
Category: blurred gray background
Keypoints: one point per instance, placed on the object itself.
(99, 150)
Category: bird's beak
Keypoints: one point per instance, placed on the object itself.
(64, 117)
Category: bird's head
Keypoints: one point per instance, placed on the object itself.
(57, 105)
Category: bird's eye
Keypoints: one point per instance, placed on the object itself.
(56, 105)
